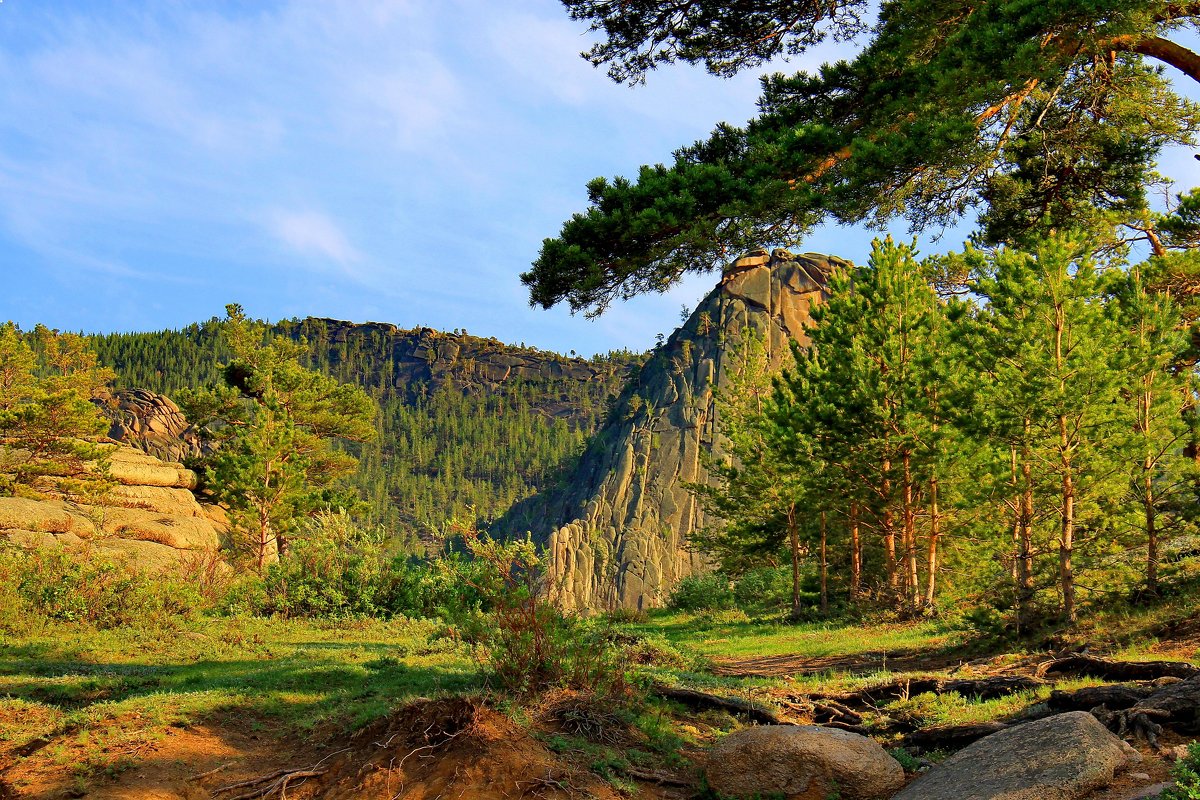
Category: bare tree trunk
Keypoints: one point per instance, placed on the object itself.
(912, 578)
(1151, 531)
(1145, 404)
(1025, 530)
(1066, 547)
(824, 570)
(855, 553)
(794, 541)
(1014, 569)
(889, 532)
(935, 532)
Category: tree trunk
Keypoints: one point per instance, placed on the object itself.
(1065, 550)
(911, 576)
(1066, 542)
(794, 542)
(1025, 530)
(1145, 403)
(824, 570)
(889, 531)
(935, 532)
(855, 553)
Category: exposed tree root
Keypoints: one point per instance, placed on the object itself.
(1105, 669)
(703, 701)
(267, 785)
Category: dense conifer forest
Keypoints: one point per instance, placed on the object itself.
(453, 442)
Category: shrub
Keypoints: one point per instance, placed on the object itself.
(702, 593)
(532, 647)
(86, 586)
(764, 588)
(442, 588)
(1186, 772)
(332, 568)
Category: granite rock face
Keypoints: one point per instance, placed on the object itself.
(152, 423)
(150, 517)
(616, 536)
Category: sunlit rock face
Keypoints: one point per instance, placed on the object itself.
(616, 535)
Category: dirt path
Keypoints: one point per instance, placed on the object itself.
(159, 764)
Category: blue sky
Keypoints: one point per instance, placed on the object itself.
(387, 160)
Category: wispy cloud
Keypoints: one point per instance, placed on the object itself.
(314, 235)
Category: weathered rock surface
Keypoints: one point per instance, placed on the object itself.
(151, 517)
(1062, 757)
(616, 535)
(424, 359)
(151, 423)
(802, 762)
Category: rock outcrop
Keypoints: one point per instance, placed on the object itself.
(617, 533)
(152, 423)
(422, 360)
(1063, 757)
(150, 516)
(802, 762)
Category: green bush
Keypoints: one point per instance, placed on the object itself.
(1186, 772)
(702, 593)
(531, 646)
(332, 568)
(443, 588)
(764, 588)
(85, 586)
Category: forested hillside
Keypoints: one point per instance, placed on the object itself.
(467, 427)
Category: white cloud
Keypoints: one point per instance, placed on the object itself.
(314, 235)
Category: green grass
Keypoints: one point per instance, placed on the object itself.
(739, 637)
(292, 676)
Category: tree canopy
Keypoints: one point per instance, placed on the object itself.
(48, 421)
(1040, 115)
(277, 423)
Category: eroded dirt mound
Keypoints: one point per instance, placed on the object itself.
(431, 748)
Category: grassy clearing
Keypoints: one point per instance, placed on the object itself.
(733, 635)
(100, 696)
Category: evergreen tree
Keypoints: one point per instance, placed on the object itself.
(279, 424)
(1036, 111)
(1051, 340)
(48, 422)
(1160, 485)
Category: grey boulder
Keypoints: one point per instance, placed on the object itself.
(1063, 757)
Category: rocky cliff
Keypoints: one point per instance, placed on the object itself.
(150, 517)
(152, 423)
(616, 534)
(417, 361)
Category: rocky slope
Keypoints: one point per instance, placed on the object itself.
(616, 533)
(151, 516)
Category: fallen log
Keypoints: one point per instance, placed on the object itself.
(1114, 697)
(977, 688)
(1109, 670)
(702, 701)
(951, 737)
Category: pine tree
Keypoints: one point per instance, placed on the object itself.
(279, 422)
(1050, 340)
(48, 422)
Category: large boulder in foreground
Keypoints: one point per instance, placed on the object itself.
(802, 762)
(1063, 757)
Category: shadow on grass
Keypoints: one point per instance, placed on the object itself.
(296, 687)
